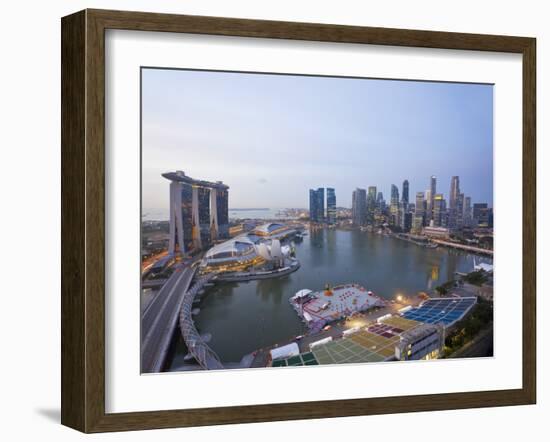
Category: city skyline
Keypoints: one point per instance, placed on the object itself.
(383, 131)
(429, 209)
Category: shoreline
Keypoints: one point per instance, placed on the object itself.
(250, 359)
(260, 275)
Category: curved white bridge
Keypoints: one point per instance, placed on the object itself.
(203, 354)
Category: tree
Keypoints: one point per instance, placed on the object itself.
(443, 289)
(477, 278)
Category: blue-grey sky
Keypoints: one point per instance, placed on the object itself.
(273, 137)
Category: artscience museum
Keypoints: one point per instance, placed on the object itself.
(260, 248)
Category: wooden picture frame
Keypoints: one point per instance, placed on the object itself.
(83, 219)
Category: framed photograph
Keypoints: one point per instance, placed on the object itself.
(269, 220)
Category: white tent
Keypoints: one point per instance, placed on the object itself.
(302, 293)
(351, 331)
(285, 351)
(484, 266)
(381, 318)
(320, 342)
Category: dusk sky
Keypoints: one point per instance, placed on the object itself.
(273, 137)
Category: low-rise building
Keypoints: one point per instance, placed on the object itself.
(423, 342)
(436, 232)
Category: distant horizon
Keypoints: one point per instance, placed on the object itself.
(237, 209)
(271, 138)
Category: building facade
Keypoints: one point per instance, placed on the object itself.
(482, 215)
(221, 196)
(380, 203)
(430, 198)
(439, 218)
(424, 342)
(420, 208)
(331, 205)
(199, 212)
(371, 204)
(395, 211)
(405, 194)
(407, 221)
(317, 205)
(459, 223)
(359, 207)
(453, 201)
(467, 212)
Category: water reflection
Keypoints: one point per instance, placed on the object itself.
(243, 317)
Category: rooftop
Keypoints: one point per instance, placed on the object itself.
(179, 176)
(240, 245)
(273, 230)
(441, 310)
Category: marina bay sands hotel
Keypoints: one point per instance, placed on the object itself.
(199, 212)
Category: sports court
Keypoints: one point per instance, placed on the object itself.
(296, 361)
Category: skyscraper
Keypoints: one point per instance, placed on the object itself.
(460, 211)
(380, 203)
(440, 211)
(317, 205)
(405, 195)
(312, 204)
(467, 217)
(481, 214)
(433, 191)
(204, 214)
(359, 207)
(331, 205)
(198, 211)
(429, 207)
(394, 198)
(453, 198)
(417, 224)
(222, 209)
(394, 206)
(420, 209)
(371, 204)
(407, 222)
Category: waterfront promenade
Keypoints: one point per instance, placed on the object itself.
(255, 275)
(463, 247)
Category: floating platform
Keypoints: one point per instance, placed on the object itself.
(319, 308)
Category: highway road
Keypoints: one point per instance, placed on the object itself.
(160, 319)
